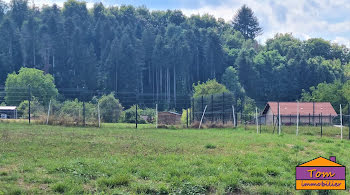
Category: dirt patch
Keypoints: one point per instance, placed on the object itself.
(8, 169)
(44, 187)
(24, 185)
(89, 188)
(289, 145)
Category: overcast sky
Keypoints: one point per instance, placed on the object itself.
(328, 19)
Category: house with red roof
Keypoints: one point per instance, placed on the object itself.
(312, 113)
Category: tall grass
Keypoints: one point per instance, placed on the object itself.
(327, 131)
(119, 159)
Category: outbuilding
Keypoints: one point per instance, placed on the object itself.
(169, 118)
(8, 112)
(311, 113)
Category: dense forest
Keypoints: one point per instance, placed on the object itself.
(161, 54)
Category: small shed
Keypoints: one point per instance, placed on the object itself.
(311, 113)
(8, 112)
(169, 118)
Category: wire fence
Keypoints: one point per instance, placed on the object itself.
(81, 107)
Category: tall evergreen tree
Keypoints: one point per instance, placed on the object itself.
(247, 23)
(19, 11)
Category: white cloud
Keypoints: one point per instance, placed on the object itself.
(40, 3)
(342, 41)
(303, 18)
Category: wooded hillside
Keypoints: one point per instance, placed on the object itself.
(158, 53)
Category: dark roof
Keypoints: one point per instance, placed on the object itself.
(305, 108)
(171, 113)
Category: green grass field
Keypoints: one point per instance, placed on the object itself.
(118, 159)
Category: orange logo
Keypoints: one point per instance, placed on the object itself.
(320, 174)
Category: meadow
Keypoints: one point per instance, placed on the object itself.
(119, 159)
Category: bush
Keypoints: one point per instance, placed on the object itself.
(71, 113)
(150, 114)
(249, 108)
(110, 108)
(74, 109)
(129, 115)
(36, 109)
(184, 116)
(55, 107)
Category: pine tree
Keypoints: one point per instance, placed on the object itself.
(19, 11)
(247, 23)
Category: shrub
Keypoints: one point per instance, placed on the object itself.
(110, 108)
(129, 115)
(71, 108)
(74, 109)
(71, 113)
(150, 114)
(36, 109)
(249, 108)
(184, 116)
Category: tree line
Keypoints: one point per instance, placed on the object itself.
(158, 55)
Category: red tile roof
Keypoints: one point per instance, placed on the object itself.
(305, 108)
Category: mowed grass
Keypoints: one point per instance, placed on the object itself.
(118, 159)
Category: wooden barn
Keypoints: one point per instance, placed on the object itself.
(169, 118)
(311, 113)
